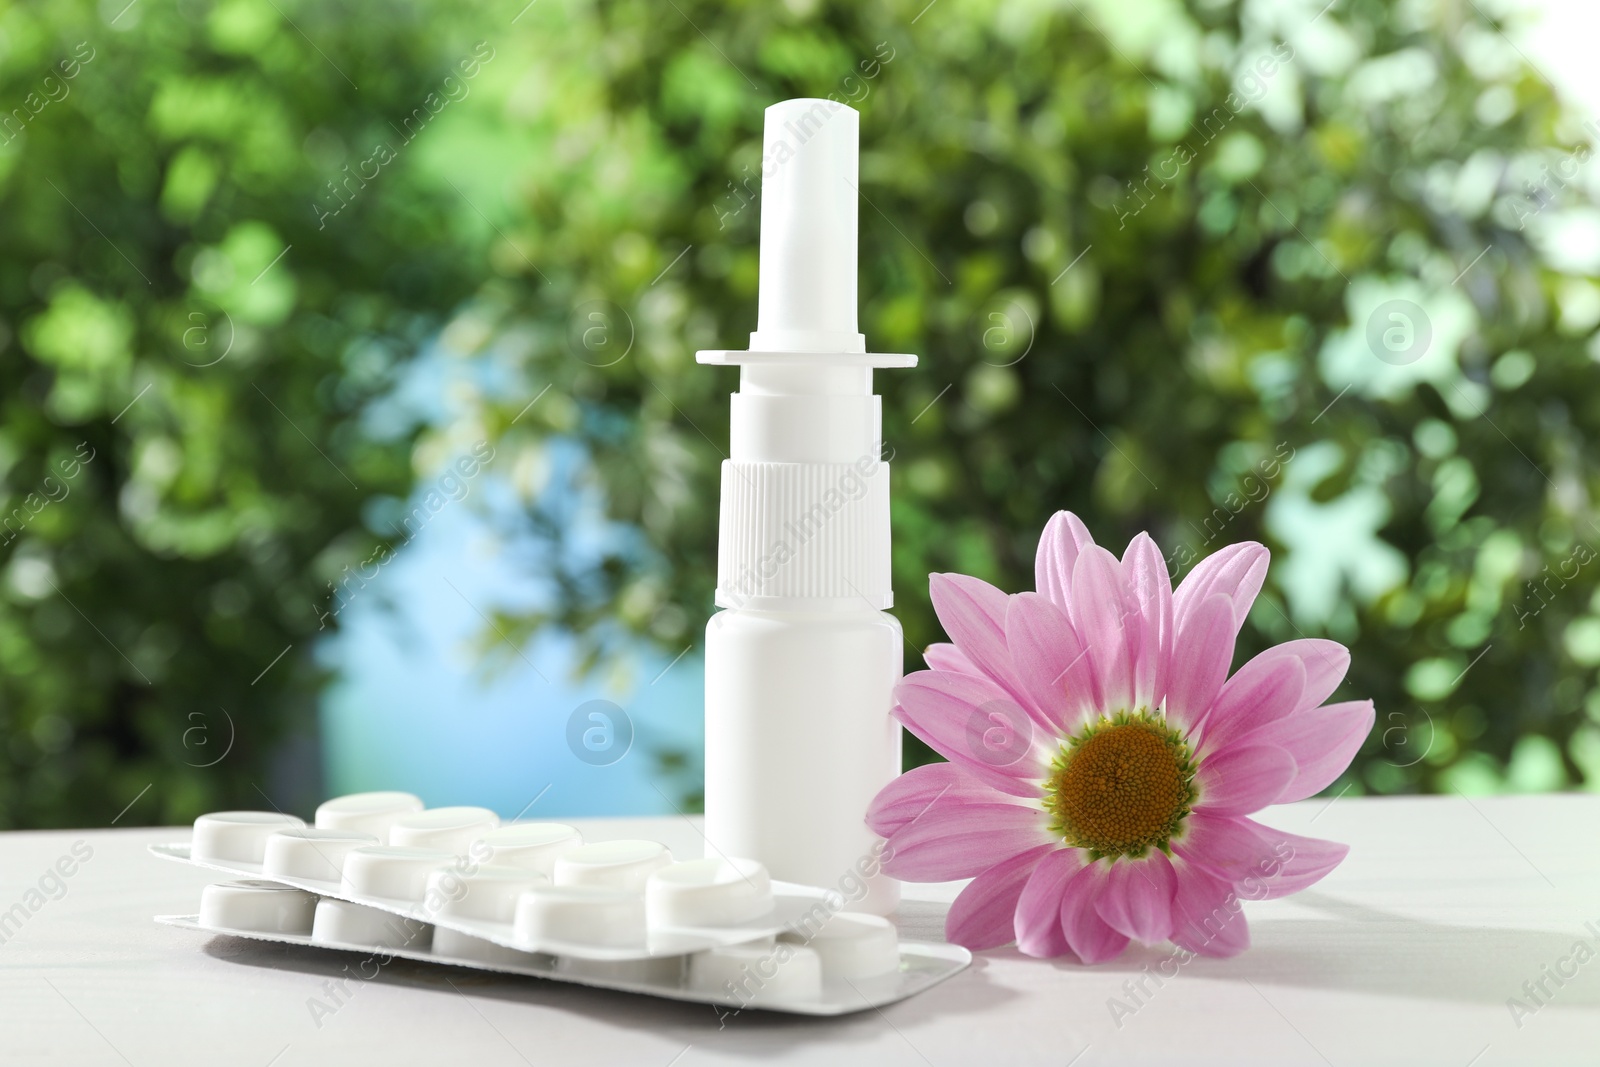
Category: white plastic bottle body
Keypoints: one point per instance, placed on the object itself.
(799, 739)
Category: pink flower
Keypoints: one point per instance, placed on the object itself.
(1102, 763)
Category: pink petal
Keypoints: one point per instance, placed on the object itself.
(973, 613)
(1236, 571)
(1322, 742)
(965, 841)
(971, 722)
(1207, 918)
(1150, 587)
(1038, 917)
(1297, 862)
(984, 915)
(1051, 664)
(1002, 734)
(1089, 937)
(1265, 689)
(1137, 898)
(917, 791)
(943, 656)
(1230, 847)
(1200, 662)
(1245, 778)
(1063, 538)
(1097, 611)
(1326, 663)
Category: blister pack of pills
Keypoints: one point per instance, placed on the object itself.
(379, 873)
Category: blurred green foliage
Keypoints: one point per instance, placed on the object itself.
(169, 300)
(1149, 255)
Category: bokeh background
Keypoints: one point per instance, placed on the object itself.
(352, 437)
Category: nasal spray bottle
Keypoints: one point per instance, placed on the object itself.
(802, 662)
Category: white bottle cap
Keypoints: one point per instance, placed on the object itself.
(805, 494)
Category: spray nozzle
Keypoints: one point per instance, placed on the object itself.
(809, 178)
(806, 313)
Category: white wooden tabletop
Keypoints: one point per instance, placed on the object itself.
(1415, 951)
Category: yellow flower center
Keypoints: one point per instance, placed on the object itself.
(1121, 787)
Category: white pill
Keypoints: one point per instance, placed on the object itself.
(358, 924)
(656, 970)
(452, 829)
(534, 845)
(758, 974)
(590, 915)
(708, 892)
(487, 892)
(612, 864)
(391, 872)
(302, 852)
(852, 946)
(252, 904)
(370, 813)
(455, 944)
(236, 836)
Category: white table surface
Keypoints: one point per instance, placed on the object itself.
(1407, 954)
